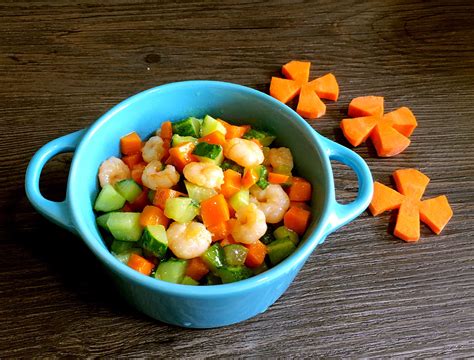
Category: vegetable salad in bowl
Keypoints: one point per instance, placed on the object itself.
(202, 202)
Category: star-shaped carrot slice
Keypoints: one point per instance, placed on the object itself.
(310, 92)
(411, 185)
(389, 133)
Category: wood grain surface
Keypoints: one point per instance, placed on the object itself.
(363, 293)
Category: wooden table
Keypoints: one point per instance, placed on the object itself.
(363, 292)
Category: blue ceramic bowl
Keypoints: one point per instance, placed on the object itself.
(198, 306)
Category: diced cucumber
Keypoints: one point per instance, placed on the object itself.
(102, 221)
(125, 256)
(129, 189)
(188, 280)
(210, 153)
(268, 237)
(264, 137)
(211, 279)
(187, 127)
(262, 181)
(229, 274)
(280, 249)
(209, 125)
(181, 209)
(125, 226)
(260, 269)
(229, 164)
(240, 199)
(235, 254)
(120, 247)
(154, 240)
(109, 199)
(172, 271)
(178, 140)
(284, 233)
(214, 257)
(199, 193)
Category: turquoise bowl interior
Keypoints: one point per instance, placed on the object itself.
(198, 306)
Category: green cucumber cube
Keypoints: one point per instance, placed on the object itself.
(239, 199)
(102, 221)
(109, 199)
(260, 269)
(178, 140)
(279, 250)
(125, 256)
(214, 257)
(154, 240)
(120, 247)
(209, 125)
(181, 209)
(262, 181)
(129, 189)
(210, 153)
(125, 226)
(235, 254)
(284, 233)
(187, 127)
(199, 193)
(189, 281)
(211, 279)
(172, 271)
(230, 274)
(264, 137)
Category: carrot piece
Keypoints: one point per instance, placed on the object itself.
(274, 178)
(152, 215)
(388, 141)
(137, 172)
(284, 89)
(216, 138)
(297, 219)
(301, 205)
(407, 226)
(162, 195)
(232, 183)
(250, 178)
(214, 210)
(411, 182)
(234, 131)
(256, 254)
(219, 231)
(130, 144)
(140, 264)
(384, 199)
(297, 70)
(166, 130)
(299, 190)
(366, 106)
(436, 213)
(181, 155)
(141, 201)
(326, 87)
(357, 130)
(196, 268)
(401, 120)
(132, 160)
(310, 105)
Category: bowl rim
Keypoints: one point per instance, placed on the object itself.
(316, 236)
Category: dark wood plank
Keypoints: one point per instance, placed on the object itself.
(363, 293)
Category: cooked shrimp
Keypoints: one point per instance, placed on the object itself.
(204, 174)
(273, 201)
(153, 149)
(281, 158)
(155, 177)
(188, 240)
(250, 225)
(244, 152)
(112, 170)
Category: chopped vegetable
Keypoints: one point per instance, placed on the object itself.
(181, 155)
(233, 131)
(366, 106)
(296, 219)
(130, 144)
(199, 193)
(279, 250)
(108, 199)
(187, 127)
(256, 254)
(154, 240)
(162, 195)
(210, 125)
(125, 226)
(210, 153)
(214, 257)
(181, 209)
(197, 268)
(230, 274)
(172, 270)
(300, 189)
(235, 254)
(140, 264)
(411, 185)
(251, 176)
(137, 172)
(232, 183)
(152, 215)
(216, 138)
(129, 189)
(274, 178)
(326, 87)
(240, 199)
(132, 160)
(214, 210)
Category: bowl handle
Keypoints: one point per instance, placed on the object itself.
(341, 214)
(57, 212)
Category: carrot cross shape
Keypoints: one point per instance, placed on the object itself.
(310, 92)
(411, 185)
(389, 132)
